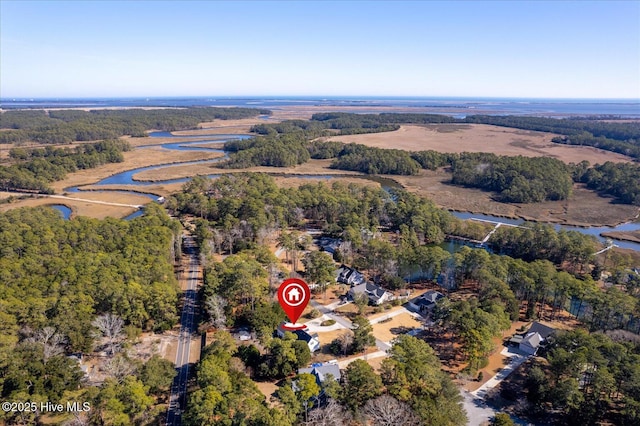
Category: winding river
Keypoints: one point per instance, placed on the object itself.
(127, 178)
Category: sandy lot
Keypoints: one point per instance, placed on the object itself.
(389, 330)
(481, 138)
(329, 336)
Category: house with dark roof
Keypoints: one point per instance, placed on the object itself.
(311, 339)
(376, 294)
(531, 341)
(425, 302)
(543, 330)
(350, 276)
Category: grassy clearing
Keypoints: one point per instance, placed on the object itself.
(389, 330)
(481, 138)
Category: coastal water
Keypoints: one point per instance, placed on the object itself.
(593, 231)
(64, 210)
(455, 106)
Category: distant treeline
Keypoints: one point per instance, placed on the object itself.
(64, 126)
(515, 179)
(615, 136)
(44, 165)
(621, 180)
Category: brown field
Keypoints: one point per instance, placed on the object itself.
(312, 167)
(389, 330)
(224, 127)
(481, 138)
(329, 336)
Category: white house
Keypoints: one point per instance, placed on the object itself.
(376, 294)
(347, 275)
(426, 301)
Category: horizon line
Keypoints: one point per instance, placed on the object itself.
(315, 97)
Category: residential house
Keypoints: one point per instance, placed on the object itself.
(531, 341)
(312, 339)
(322, 372)
(425, 302)
(350, 276)
(376, 294)
(330, 245)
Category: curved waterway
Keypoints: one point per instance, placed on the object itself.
(64, 210)
(127, 178)
(594, 231)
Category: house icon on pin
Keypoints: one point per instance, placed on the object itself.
(293, 295)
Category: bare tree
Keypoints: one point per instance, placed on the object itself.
(110, 326)
(215, 308)
(346, 249)
(52, 341)
(79, 419)
(385, 410)
(345, 340)
(119, 367)
(332, 414)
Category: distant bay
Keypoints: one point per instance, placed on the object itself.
(454, 106)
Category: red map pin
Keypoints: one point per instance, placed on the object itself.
(293, 295)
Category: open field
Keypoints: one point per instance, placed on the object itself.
(312, 167)
(241, 125)
(481, 138)
(399, 324)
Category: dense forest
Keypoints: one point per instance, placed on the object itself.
(586, 379)
(40, 166)
(283, 151)
(372, 160)
(391, 238)
(71, 286)
(64, 126)
(621, 180)
(515, 179)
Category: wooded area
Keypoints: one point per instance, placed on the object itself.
(40, 166)
(71, 286)
(64, 126)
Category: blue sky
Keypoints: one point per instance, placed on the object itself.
(586, 49)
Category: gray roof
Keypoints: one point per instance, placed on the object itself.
(427, 299)
(370, 289)
(543, 330)
(532, 339)
(321, 372)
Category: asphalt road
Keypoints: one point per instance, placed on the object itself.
(178, 399)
